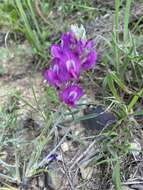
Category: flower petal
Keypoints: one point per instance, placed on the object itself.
(72, 64)
(80, 47)
(68, 41)
(52, 78)
(90, 60)
(71, 94)
(52, 157)
(56, 51)
(48, 75)
(89, 45)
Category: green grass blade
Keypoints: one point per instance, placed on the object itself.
(119, 82)
(111, 86)
(27, 28)
(29, 3)
(135, 99)
(126, 20)
(116, 176)
(115, 33)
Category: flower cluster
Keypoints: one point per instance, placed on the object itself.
(69, 58)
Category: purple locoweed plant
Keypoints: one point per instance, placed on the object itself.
(74, 55)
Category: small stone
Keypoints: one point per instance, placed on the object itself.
(41, 183)
(65, 147)
(86, 173)
(135, 148)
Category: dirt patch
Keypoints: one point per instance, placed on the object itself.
(17, 72)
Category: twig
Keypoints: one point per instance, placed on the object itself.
(45, 160)
(67, 173)
(132, 182)
(5, 39)
(38, 11)
(83, 154)
(74, 158)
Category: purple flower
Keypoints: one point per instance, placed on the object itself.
(56, 75)
(50, 77)
(56, 51)
(68, 41)
(52, 157)
(61, 74)
(52, 74)
(90, 60)
(89, 45)
(71, 57)
(71, 63)
(71, 94)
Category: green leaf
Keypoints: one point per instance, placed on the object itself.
(111, 86)
(116, 176)
(135, 99)
(126, 20)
